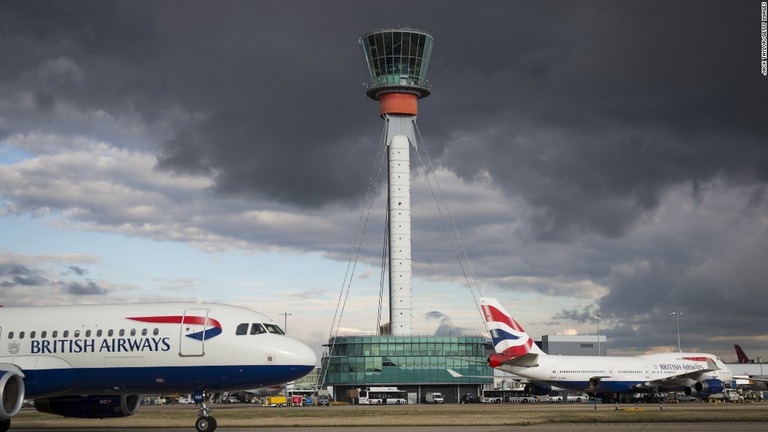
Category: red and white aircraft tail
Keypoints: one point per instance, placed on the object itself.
(510, 341)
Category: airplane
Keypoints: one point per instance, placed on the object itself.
(751, 382)
(95, 361)
(697, 374)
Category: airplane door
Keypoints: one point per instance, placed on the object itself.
(192, 333)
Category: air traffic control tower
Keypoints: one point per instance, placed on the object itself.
(397, 62)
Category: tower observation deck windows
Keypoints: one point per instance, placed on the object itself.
(397, 57)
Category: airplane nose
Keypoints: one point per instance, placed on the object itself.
(302, 355)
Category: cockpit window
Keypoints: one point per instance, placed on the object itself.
(242, 329)
(257, 328)
(272, 328)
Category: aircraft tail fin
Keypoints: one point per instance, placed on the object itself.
(509, 338)
(741, 355)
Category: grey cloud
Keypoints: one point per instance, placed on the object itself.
(20, 275)
(87, 288)
(79, 271)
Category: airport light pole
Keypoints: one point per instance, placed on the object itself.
(597, 318)
(677, 318)
(285, 326)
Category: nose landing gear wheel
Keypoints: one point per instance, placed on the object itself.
(205, 424)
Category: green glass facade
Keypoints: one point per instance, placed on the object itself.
(418, 364)
(397, 58)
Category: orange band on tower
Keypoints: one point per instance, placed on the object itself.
(398, 103)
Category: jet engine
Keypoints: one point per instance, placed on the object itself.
(11, 393)
(90, 406)
(707, 387)
(537, 389)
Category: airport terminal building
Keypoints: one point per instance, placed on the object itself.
(417, 364)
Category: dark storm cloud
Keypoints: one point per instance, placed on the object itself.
(577, 107)
(600, 116)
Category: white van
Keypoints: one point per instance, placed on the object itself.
(436, 398)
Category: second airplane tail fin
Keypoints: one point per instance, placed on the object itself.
(741, 355)
(508, 336)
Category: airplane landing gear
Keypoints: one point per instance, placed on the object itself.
(205, 422)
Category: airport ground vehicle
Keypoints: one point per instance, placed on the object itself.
(498, 395)
(522, 399)
(436, 398)
(276, 401)
(382, 396)
(323, 398)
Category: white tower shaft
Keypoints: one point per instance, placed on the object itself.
(400, 135)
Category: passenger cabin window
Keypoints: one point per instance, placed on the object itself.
(242, 329)
(133, 332)
(122, 332)
(156, 331)
(55, 334)
(43, 334)
(257, 328)
(272, 328)
(10, 335)
(21, 335)
(32, 335)
(87, 333)
(143, 332)
(77, 333)
(110, 332)
(98, 333)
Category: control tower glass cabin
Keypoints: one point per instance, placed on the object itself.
(397, 61)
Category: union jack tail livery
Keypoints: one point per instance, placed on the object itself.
(509, 339)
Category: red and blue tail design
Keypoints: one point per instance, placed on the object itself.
(508, 336)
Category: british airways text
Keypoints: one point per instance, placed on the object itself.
(114, 345)
(679, 367)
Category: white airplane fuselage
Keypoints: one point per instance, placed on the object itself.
(146, 348)
(622, 374)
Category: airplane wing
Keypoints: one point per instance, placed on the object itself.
(761, 379)
(459, 375)
(683, 377)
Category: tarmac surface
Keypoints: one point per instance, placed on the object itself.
(570, 427)
(691, 410)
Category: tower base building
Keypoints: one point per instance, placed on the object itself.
(416, 364)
